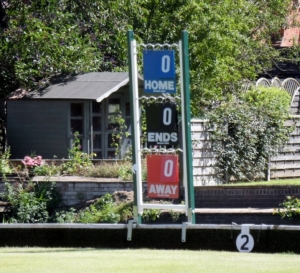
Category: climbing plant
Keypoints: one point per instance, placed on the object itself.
(247, 131)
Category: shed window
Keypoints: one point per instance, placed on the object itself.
(77, 118)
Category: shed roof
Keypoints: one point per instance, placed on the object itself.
(92, 86)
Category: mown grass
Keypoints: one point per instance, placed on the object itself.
(67, 260)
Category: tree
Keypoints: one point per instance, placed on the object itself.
(229, 40)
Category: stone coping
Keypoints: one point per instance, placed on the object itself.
(235, 210)
(77, 179)
(221, 210)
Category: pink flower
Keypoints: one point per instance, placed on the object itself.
(32, 162)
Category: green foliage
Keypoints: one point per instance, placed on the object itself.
(229, 40)
(103, 169)
(125, 210)
(175, 215)
(103, 211)
(125, 171)
(247, 131)
(151, 215)
(31, 202)
(47, 170)
(276, 101)
(77, 158)
(63, 216)
(226, 45)
(119, 133)
(5, 167)
(289, 208)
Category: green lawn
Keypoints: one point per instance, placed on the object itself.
(73, 260)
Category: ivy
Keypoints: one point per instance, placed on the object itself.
(289, 208)
(247, 131)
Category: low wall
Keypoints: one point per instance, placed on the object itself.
(243, 196)
(266, 241)
(76, 190)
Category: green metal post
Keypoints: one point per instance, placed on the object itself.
(187, 121)
(130, 38)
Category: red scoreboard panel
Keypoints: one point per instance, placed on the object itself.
(163, 176)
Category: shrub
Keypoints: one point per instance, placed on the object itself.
(125, 210)
(30, 202)
(77, 158)
(289, 208)
(151, 215)
(247, 131)
(64, 216)
(103, 169)
(47, 170)
(5, 167)
(125, 171)
(103, 211)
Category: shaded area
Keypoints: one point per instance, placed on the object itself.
(266, 241)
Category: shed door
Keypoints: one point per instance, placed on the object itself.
(98, 125)
(79, 122)
(97, 129)
(114, 114)
(106, 117)
(105, 127)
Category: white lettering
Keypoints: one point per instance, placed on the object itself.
(152, 189)
(151, 137)
(147, 84)
(174, 188)
(160, 189)
(154, 85)
(171, 85)
(158, 137)
(162, 138)
(168, 190)
(174, 137)
(163, 85)
(159, 86)
(166, 137)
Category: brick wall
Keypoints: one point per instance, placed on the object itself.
(205, 197)
(246, 218)
(76, 192)
(243, 197)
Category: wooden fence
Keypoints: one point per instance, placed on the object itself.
(204, 159)
(285, 165)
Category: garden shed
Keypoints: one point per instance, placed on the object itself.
(43, 122)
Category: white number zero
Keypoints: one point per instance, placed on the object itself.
(167, 116)
(165, 63)
(169, 166)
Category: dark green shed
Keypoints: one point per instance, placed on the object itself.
(43, 121)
